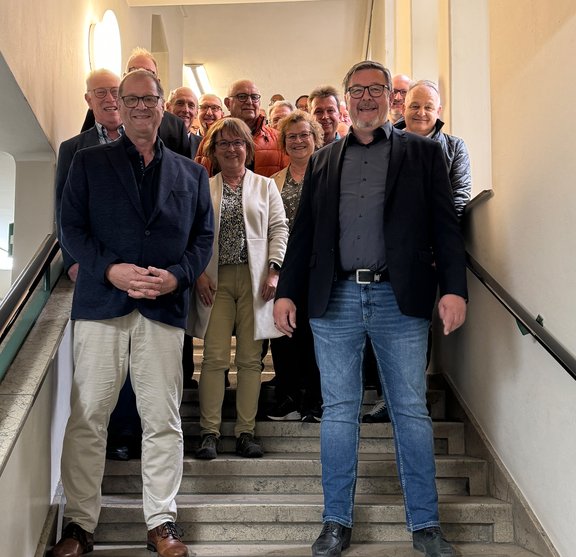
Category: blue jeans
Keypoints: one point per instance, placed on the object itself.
(354, 312)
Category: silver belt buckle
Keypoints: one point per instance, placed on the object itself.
(358, 280)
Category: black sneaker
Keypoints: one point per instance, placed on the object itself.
(208, 449)
(286, 411)
(378, 414)
(432, 543)
(313, 415)
(247, 447)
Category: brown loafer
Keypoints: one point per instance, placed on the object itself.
(75, 541)
(166, 540)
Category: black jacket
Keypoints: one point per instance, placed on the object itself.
(424, 246)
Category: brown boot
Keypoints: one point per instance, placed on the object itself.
(75, 541)
(166, 540)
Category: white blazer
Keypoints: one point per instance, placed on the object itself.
(266, 236)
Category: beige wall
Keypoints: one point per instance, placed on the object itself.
(48, 53)
(284, 50)
(524, 236)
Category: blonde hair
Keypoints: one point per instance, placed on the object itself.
(300, 116)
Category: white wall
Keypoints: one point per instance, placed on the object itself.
(524, 236)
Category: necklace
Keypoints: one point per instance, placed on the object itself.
(297, 176)
(233, 181)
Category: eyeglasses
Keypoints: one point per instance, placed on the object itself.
(357, 91)
(101, 92)
(134, 68)
(131, 101)
(303, 136)
(236, 143)
(212, 107)
(402, 92)
(243, 97)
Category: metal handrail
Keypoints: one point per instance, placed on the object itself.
(24, 286)
(477, 199)
(521, 314)
(528, 324)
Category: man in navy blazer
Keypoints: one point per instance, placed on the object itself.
(138, 219)
(102, 98)
(374, 237)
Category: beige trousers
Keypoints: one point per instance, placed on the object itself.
(104, 351)
(233, 309)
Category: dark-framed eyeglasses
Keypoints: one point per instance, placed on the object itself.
(302, 136)
(101, 92)
(236, 143)
(375, 90)
(150, 101)
(243, 97)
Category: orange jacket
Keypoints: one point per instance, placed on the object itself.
(268, 158)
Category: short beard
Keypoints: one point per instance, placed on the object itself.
(372, 124)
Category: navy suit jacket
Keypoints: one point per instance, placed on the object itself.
(103, 223)
(68, 149)
(194, 142)
(424, 246)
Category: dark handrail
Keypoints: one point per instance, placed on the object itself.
(536, 329)
(477, 199)
(25, 284)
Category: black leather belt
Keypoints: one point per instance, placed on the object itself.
(365, 276)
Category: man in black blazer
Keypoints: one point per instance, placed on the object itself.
(138, 219)
(183, 103)
(375, 235)
(102, 98)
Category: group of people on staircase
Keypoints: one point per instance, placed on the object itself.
(329, 238)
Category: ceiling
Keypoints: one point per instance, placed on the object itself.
(142, 3)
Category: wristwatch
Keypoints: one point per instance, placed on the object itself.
(275, 266)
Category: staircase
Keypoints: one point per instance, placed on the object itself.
(273, 506)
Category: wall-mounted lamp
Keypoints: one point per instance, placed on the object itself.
(197, 78)
(104, 46)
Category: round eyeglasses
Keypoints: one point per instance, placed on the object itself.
(101, 92)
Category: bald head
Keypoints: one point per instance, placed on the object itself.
(183, 103)
(243, 101)
(210, 110)
(422, 107)
(400, 85)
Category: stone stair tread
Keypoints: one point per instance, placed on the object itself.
(279, 436)
(231, 464)
(388, 549)
(477, 505)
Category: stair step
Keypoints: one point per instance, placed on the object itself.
(296, 518)
(297, 473)
(390, 549)
(190, 407)
(282, 437)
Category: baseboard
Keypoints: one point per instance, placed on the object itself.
(528, 532)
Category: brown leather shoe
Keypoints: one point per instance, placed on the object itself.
(166, 540)
(75, 541)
